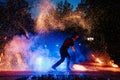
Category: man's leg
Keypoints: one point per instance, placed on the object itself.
(58, 63)
(68, 62)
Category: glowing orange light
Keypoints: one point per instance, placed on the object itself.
(92, 55)
(5, 38)
(98, 60)
(79, 67)
(109, 62)
(115, 65)
(1, 57)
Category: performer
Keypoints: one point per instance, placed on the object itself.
(69, 42)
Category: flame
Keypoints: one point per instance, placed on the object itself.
(115, 65)
(79, 67)
(109, 62)
(94, 67)
(98, 60)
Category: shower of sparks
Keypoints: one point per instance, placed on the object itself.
(46, 19)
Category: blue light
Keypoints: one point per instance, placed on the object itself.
(57, 45)
(46, 51)
(45, 45)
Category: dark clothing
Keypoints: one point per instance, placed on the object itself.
(64, 49)
(60, 61)
(64, 52)
(67, 43)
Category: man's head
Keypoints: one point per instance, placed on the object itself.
(75, 37)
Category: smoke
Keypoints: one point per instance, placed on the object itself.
(15, 54)
(79, 19)
(40, 51)
(30, 54)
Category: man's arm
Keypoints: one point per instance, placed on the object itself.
(73, 48)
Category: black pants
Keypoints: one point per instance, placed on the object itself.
(64, 54)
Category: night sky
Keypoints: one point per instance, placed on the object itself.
(73, 2)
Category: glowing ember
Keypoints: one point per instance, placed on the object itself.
(115, 65)
(79, 67)
(98, 60)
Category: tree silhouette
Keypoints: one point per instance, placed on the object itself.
(63, 8)
(15, 19)
(106, 20)
(65, 13)
(20, 18)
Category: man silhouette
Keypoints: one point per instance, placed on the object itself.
(69, 42)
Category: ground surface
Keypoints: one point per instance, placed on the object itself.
(93, 71)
